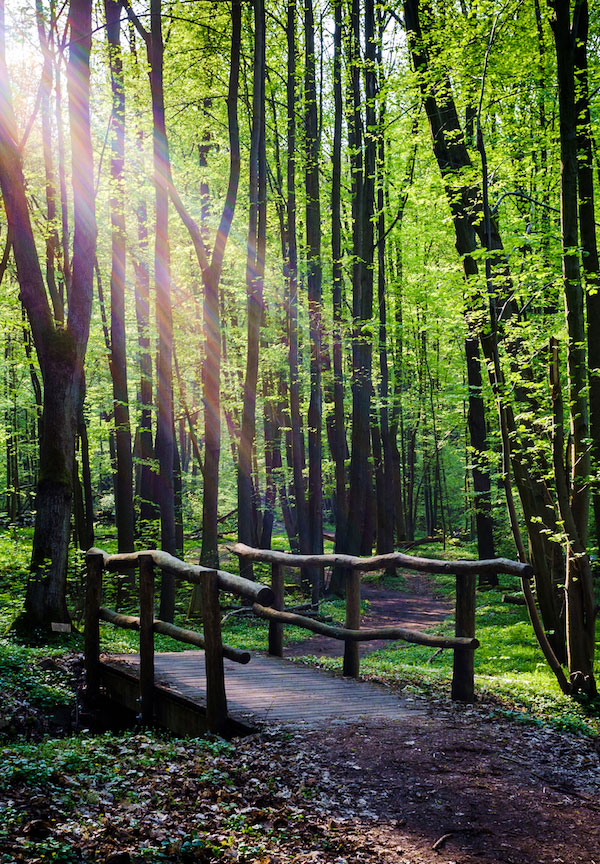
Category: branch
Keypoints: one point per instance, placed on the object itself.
(136, 21)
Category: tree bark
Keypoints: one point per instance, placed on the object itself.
(60, 351)
(339, 422)
(211, 371)
(314, 284)
(360, 532)
(255, 263)
(165, 426)
(574, 508)
(124, 511)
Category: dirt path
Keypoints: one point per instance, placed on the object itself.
(458, 787)
(415, 608)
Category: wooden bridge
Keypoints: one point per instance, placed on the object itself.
(216, 689)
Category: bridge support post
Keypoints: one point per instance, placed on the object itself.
(93, 598)
(146, 639)
(463, 676)
(216, 699)
(275, 628)
(351, 656)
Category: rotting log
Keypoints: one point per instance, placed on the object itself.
(193, 573)
(345, 634)
(181, 634)
(461, 567)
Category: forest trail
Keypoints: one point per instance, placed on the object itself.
(415, 608)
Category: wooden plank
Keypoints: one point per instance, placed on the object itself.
(278, 691)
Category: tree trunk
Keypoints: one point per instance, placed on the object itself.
(60, 351)
(339, 422)
(165, 443)
(211, 371)
(574, 512)
(125, 516)
(254, 282)
(589, 244)
(297, 440)
(359, 536)
(314, 279)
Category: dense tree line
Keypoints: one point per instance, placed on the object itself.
(340, 241)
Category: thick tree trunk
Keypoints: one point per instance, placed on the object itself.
(165, 443)
(60, 351)
(451, 154)
(314, 278)
(297, 439)
(211, 372)
(339, 422)
(480, 471)
(360, 530)
(124, 511)
(589, 244)
(247, 528)
(575, 510)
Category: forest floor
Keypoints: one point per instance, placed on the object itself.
(416, 608)
(450, 783)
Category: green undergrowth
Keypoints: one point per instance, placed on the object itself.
(511, 675)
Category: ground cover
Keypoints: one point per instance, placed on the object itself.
(514, 778)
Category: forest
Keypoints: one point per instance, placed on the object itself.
(312, 277)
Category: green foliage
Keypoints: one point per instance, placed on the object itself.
(511, 674)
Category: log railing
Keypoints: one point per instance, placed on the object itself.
(211, 582)
(463, 643)
(268, 603)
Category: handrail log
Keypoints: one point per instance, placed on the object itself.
(127, 622)
(463, 567)
(194, 573)
(342, 633)
(181, 634)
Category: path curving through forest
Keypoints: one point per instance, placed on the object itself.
(415, 608)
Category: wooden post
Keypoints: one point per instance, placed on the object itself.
(146, 639)
(463, 677)
(275, 628)
(351, 655)
(93, 598)
(216, 700)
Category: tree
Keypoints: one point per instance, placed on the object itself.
(60, 349)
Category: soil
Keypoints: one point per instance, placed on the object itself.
(416, 608)
(461, 786)
(458, 784)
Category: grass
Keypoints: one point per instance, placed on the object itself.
(511, 673)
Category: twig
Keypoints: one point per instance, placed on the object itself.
(441, 841)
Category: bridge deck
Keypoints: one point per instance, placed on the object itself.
(272, 690)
